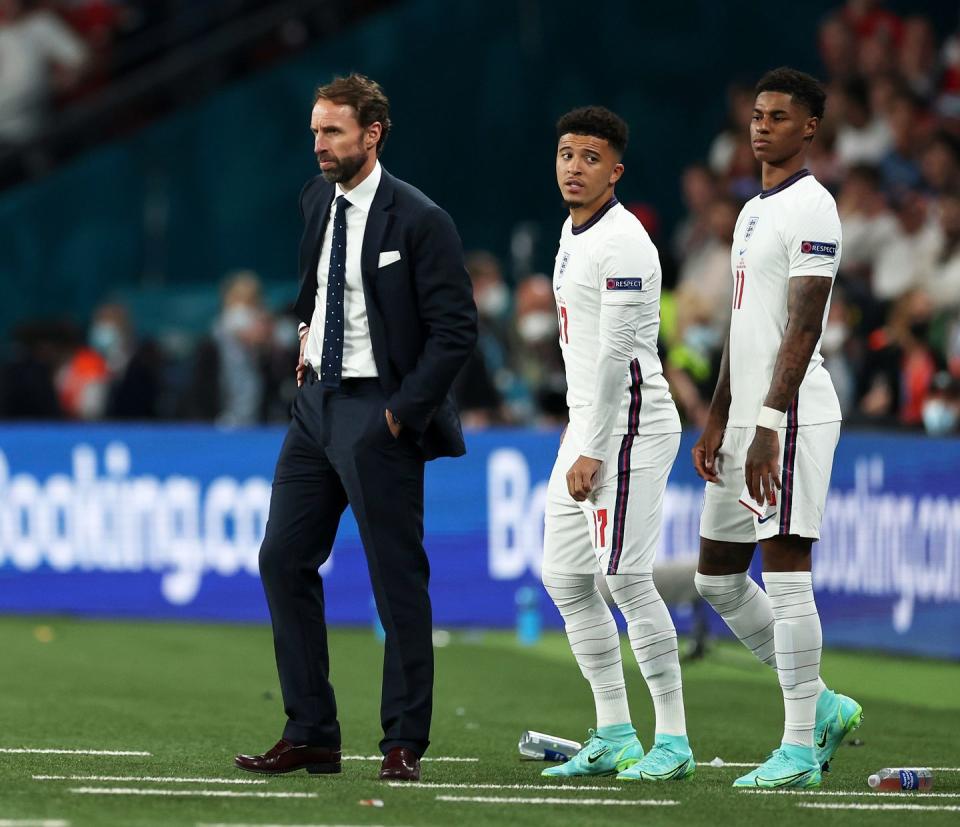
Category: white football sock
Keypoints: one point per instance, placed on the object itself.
(595, 642)
(654, 642)
(798, 643)
(745, 608)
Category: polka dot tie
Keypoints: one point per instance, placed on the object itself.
(332, 357)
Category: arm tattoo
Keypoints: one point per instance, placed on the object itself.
(806, 301)
(720, 405)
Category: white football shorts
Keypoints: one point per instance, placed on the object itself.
(806, 460)
(616, 530)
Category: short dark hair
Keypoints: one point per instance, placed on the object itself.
(598, 122)
(802, 88)
(365, 96)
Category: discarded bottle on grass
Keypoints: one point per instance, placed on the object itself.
(528, 615)
(540, 747)
(897, 779)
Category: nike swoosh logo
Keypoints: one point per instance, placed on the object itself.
(591, 759)
(762, 520)
(822, 740)
(743, 251)
(784, 781)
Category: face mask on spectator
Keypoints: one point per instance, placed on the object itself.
(538, 327)
(493, 301)
(834, 335)
(939, 418)
(701, 338)
(104, 338)
(238, 319)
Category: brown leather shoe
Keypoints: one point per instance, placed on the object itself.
(286, 757)
(400, 764)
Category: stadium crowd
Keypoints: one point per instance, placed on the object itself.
(889, 149)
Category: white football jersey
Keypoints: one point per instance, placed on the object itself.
(611, 260)
(789, 230)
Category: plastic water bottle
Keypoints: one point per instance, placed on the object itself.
(528, 615)
(537, 746)
(897, 779)
(378, 631)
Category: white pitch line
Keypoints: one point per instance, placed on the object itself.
(725, 764)
(916, 807)
(33, 822)
(30, 751)
(428, 758)
(946, 769)
(149, 779)
(586, 802)
(186, 793)
(914, 794)
(437, 786)
(232, 824)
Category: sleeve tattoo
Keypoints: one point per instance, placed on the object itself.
(806, 300)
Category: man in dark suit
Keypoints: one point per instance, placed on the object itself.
(387, 322)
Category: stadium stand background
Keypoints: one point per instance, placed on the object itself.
(171, 234)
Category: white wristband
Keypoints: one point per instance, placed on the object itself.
(301, 329)
(770, 418)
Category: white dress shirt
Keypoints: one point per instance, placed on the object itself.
(358, 360)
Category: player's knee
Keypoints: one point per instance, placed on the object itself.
(723, 588)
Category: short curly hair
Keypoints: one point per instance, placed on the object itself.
(598, 122)
(802, 88)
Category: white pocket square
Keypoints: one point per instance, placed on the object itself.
(389, 257)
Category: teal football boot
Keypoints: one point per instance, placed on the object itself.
(670, 759)
(789, 766)
(603, 754)
(837, 717)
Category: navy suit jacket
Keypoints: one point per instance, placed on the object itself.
(423, 322)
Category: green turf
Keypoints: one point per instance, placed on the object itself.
(193, 695)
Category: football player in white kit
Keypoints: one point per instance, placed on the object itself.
(605, 494)
(767, 450)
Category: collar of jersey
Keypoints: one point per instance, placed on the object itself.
(596, 216)
(803, 173)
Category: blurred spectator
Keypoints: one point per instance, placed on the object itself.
(939, 270)
(834, 347)
(699, 191)
(740, 100)
(707, 269)
(941, 410)
(868, 224)
(900, 167)
(867, 18)
(914, 240)
(228, 384)
(38, 350)
(918, 56)
(82, 384)
(838, 48)
(899, 364)
(537, 356)
(862, 138)
(487, 377)
(134, 369)
(40, 56)
(693, 352)
(940, 163)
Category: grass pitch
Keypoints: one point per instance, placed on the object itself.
(193, 695)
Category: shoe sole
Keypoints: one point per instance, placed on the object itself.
(312, 769)
(855, 721)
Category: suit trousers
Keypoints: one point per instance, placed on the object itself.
(339, 450)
